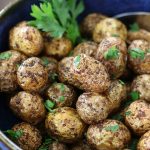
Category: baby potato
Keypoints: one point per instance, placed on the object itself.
(82, 145)
(108, 135)
(89, 23)
(26, 39)
(141, 84)
(144, 142)
(32, 75)
(139, 57)
(30, 139)
(88, 48)
(28, 106)
(138, 118)
(109, 27)
(65, 124)
(92, 107)
(84, 72)
(61, 94)
(57, 146)
(115, 63)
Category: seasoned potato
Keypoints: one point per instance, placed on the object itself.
(89, 23)
(116, 63)
(141, 84)
(9, 61)
(84, 72)
(65, 124)
(32, 75)
(108, 135)
(26, 39)
(31, 138)
(140, 64)
(144, 142)
(139, 116)
(57, 146)
(109, 27)
(92, 107)
(89, 48)
(29, 107)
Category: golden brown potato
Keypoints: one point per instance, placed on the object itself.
(31, 138)
(84, 72)
(109, 27)
(115, 63)
(32, 75)
(108, 135)
(61, 94)
(26, 39)
(89, 23)
(29, 107)
(140, 63)
(138, 118)
(144, 142)
(82, 145)
(65, 124)
(92, 107)
(57, 146)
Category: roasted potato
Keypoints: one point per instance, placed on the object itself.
(108, 135)
(57, 146)
(65, 124)
(32, 75)
(84, 72)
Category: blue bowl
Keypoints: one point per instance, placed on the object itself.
(20, 10)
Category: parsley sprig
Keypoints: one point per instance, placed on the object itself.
(5, 55)
(113, 128)
(77, 61)
(14, 134)
(49, 105)
(137, 53)
(45, 145)
(134, 27)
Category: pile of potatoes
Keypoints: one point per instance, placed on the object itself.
(86, 88)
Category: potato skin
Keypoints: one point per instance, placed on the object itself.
(140, 66)
(109, 27)
(57, 146)
(28, 106)
(139, 118)
(88, 75)
(26, 39)
(116, 66)
(31, 138)
(144, 141)
(101, 139)
(92, 107)
(82, 145)
(141, 84)
(32, 75)
(65, 124)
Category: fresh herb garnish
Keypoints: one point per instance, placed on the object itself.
(5, 55)
(14, 134)
(45, 145)
(121, 82)
(115, 35)
(112, 128)
(77, 61)
(45, 61)
(137, 53)
(61, 98)
(134, 27)
(49, 105)
(134, 95)
(70, 53)
(62, 87)
(118, 117)
(127, 113)
(112, 53)
(53, 77)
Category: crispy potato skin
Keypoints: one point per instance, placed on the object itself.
(92, 107)
(109, 27)
(31, 138)
(26, 39)
(65, 124)
(139, 119)
(140, 66)
(141, 84)
(89, 75)
(102, 139)
(144, 141)
(57, 146)
(82, 145)
(32, 75)
(29, 107)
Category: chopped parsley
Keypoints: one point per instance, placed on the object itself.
(118, 117)
(77, 61)
(134, 95)
(134, 27)
(49, 105)
(115, 35)
(5, 55)
(45, 61)
(61, 87)
(112, 128)
(46, 143)
(137, 53)
(61, 99)
(14, 134)
(121, 82)
(127, 113)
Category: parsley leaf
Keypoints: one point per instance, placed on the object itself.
(45, 61)
(118, 117)
(49, 105)
(127, 113)
(134, 95)
(121, 82)
(14, 134)
(5, 55)
(137, 53)
(115, 35)
(77, 61)
(62, 87)
(134, 27)
(61, 98)
(45, 145)
(112, 128)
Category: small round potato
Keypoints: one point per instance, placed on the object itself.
(65, 124)
(57, 146)
(144, 142)
(140, 64)
(108, 135)
(84, 72)
(88, 48)
(32, 75)
(92, 107)
(138, 118)
(109, 27)
(63, 95)
(82, 145)
(26, 39)
(116, 63)
(30, 139)
(89, 23)
(29, 107)
(141, 84)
